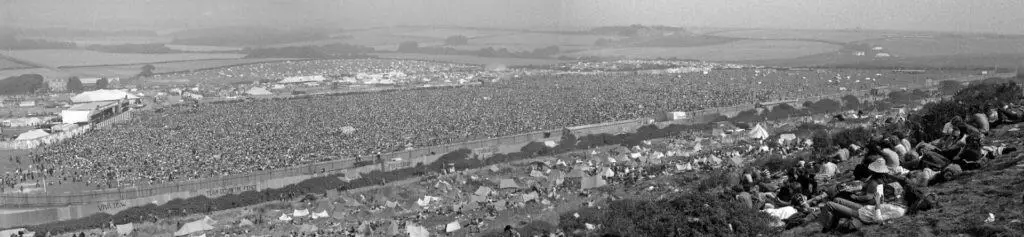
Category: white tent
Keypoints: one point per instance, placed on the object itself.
(193, 227)
(102, 95)
(758, 132)
(415, 230)
(508, 183)
(452, 227)
(303, 79)
(258, 91)
(125, 229)
(32, 134)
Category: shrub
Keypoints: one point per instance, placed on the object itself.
(698, 214)
(850, 102)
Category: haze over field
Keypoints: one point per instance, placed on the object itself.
(991, 16)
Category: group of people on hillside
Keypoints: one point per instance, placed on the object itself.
(886, 182)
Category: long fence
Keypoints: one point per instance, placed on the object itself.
(57, 207)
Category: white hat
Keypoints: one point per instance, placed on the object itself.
(878, 166)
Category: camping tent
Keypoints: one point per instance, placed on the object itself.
(32, 134)
(483, 191)
(415, 230)
(102, 95)
(245, 222)
(307, 228)
(577, 172)
(592, 182)
(258, 91)
(758, 132)
(452, 227)
(785, 138)
(125, 229)
(195, 226)
(508, 183)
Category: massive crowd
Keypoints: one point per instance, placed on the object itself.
(206, 140)
(416, 70)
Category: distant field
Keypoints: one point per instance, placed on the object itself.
(131, 70)
(1006, 61)
(202, 48)
(443, 33)
(8, 64)
(835, 36)
(734, 51)
(950, 45)
(472, 59)
(74, 57)
(538, 40)
(82, 41)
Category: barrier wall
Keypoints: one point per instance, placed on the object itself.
(72, 206)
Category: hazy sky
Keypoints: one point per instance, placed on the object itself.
(1002, 16)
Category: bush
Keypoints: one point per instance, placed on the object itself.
(851, 102)
(698, 214)
(856, 135)
(23, 84)
(825, 106)
(781, 111)
(949, 87)
(456, 40)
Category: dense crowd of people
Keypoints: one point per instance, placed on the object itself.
(206, 140)
(273, 71)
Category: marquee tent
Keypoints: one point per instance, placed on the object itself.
(32, 134)
(102, 95)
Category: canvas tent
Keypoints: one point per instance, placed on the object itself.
(592, 182)
(415, 230)
(483, 191)
(452, 227)
(193, 227)
(508, 183)
(125, 229)
(758, 132)
(102, 95)
(32, 134)
(258, 91)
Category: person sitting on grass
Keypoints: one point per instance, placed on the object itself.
(875, 206)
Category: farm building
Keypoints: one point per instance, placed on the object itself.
(103, 95)
(882, 55)
(859, 53)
